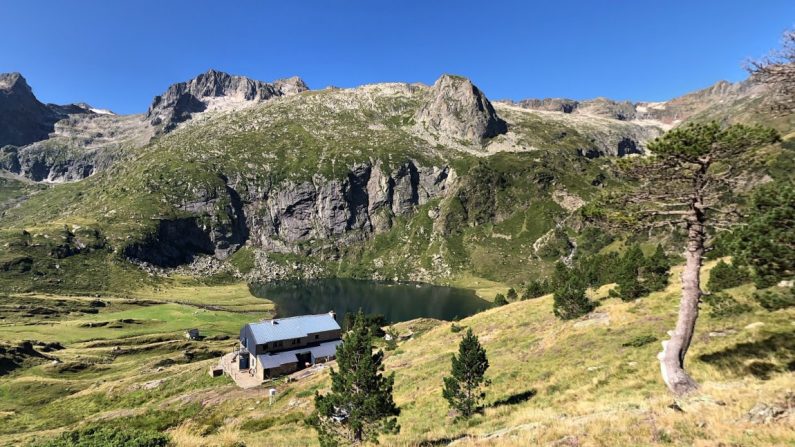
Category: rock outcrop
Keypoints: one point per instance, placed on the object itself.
(455, 109)
(23, 118)
(548, 104)
(183, 99)
(603, 107)
(284, 217)
(46, 164)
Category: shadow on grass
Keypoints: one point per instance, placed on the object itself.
(438, 442)
(760, 358)
(514, 399)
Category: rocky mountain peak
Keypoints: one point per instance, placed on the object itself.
(291, 85)
(14, 83)
(23, 119)
(183, 99)
(456, 108)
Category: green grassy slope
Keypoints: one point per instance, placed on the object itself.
(496, 224)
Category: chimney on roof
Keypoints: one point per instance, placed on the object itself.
(333, 314)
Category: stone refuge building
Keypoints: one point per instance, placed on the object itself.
(271, 348)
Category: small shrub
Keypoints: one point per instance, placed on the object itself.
(500, 300)
(535, 289)
(723, 305)
(454, 328)
(108, 437)
(570, 301)
(640, 340)
(512, 295)
(725, 276)
(775, 300)
(392, 339)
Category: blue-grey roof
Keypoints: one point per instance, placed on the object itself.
(294, 327)
(323, 350)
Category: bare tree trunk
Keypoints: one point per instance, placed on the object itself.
(672, 357)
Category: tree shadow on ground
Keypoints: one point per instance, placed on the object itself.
(759, 358)
(440, 441)
(514, 399)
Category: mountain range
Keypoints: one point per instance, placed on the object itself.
(228, 175)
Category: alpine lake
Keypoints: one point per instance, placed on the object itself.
(397, 302)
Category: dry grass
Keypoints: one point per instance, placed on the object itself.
(552, 382)
(586, 388)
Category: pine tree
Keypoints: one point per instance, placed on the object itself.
(463, 388)
(684, 183)
(499, 300)
(656, 270)
(777, 70)
(725, 276)
(569, 300)
(535, 289)
(766, 243)
(360, 405)
(629, 285)
(560, 275)
(511, 295)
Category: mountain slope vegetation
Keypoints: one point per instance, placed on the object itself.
(118, 233)
(335, 179)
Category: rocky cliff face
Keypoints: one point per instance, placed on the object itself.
(455, 108)
(23, 119)
(184, 99)
(81, 143)
(289, 217)
(47, 165)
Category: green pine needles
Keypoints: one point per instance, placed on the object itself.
(462, 388)
(570, 300)
(360, 405)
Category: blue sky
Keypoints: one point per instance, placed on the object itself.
(119, 55)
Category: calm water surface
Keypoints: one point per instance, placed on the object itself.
(397, 302)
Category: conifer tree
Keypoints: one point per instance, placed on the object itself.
(570, 301)
(656, 270)
(511, 295)
(629, 285)
(462, 388)
(766, 243)
(535, 289)
(360, 405)
(725, 276)
(777, 70)
(684, 183)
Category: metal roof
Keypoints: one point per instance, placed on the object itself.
(326, 349)
(293, 327)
